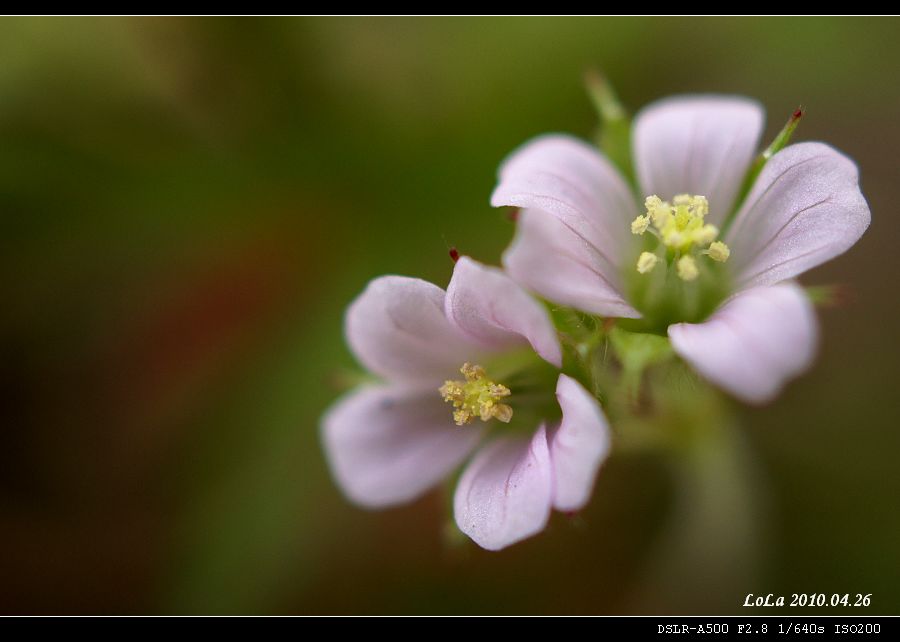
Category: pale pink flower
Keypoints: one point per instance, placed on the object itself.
(389, 442)
(575, 242)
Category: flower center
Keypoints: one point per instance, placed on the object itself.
(476, 396)
(678, 272)
(682, 235)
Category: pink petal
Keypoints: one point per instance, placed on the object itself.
(804, 209)
(754, 343)
(493, 310)
(387, 445)
(549, 258)
(578, 447)
(397, 329)
(506, 492)
(571, 180)
(697, 145)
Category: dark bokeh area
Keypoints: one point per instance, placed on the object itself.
(189, 204)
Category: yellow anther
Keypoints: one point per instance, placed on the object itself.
(640, 225)
(652, 202)
(659, 211)
(673, 238)
(718, 251)
(700, 206)
(502, 412)
(706, 234)
(646, 262)
(477, 396)
(687, 268)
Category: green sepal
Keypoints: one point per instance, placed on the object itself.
(636, 351)
(779, 143)
(827, 296)
(614, 136)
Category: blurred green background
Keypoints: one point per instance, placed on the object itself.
(189, 204)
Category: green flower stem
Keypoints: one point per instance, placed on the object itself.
(714, 527)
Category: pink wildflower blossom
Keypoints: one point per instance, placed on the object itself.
(538, 437)
(729, 308)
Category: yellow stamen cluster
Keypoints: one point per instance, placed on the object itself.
(477, 396)
(681, 229)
